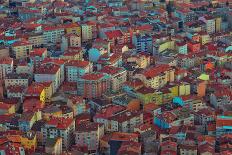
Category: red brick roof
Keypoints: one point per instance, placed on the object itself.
(47, 69)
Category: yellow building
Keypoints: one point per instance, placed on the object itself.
(218, 22)
(73, 28)
(48, 91)
(205, 38)
(21, 49)
(174, 90)
(167, 45)
(29, 141)
(184, 89)
(179, 89)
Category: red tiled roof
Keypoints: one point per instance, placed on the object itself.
(34, 89)
(156, 70)
(92, 76)
(110, 70)
(37, 52)
(78, 63)
(47, 69)
(21, 43)
(60, 123)
(7, 61)
(114, 34)
(5, 106)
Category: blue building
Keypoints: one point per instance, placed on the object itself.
(143, 43)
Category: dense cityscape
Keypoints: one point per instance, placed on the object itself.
(115, 77)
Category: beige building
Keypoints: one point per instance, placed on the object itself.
(36, 39)
(4, 52)
(70, 40)
(86, 31)
(14, 79)
(60, 127)
(118, 76)
(89, 134)
(157, 76)
(21, 49)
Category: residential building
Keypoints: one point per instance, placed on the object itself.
(14, 79)
(54, 146)
(76, 68)
(52, 34)
(143, 43)
(27, 120)
(70, 40)
(37, 55)
(6, 67)
(118, 76)
(93, 85)
(78, 104)
(59, 127)
(36, 90)
(6, 109)
(89, 135)
(86, 33)
(156, 76)
(21, 49)
(29, 141)
(49, 73)
(210, 24)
